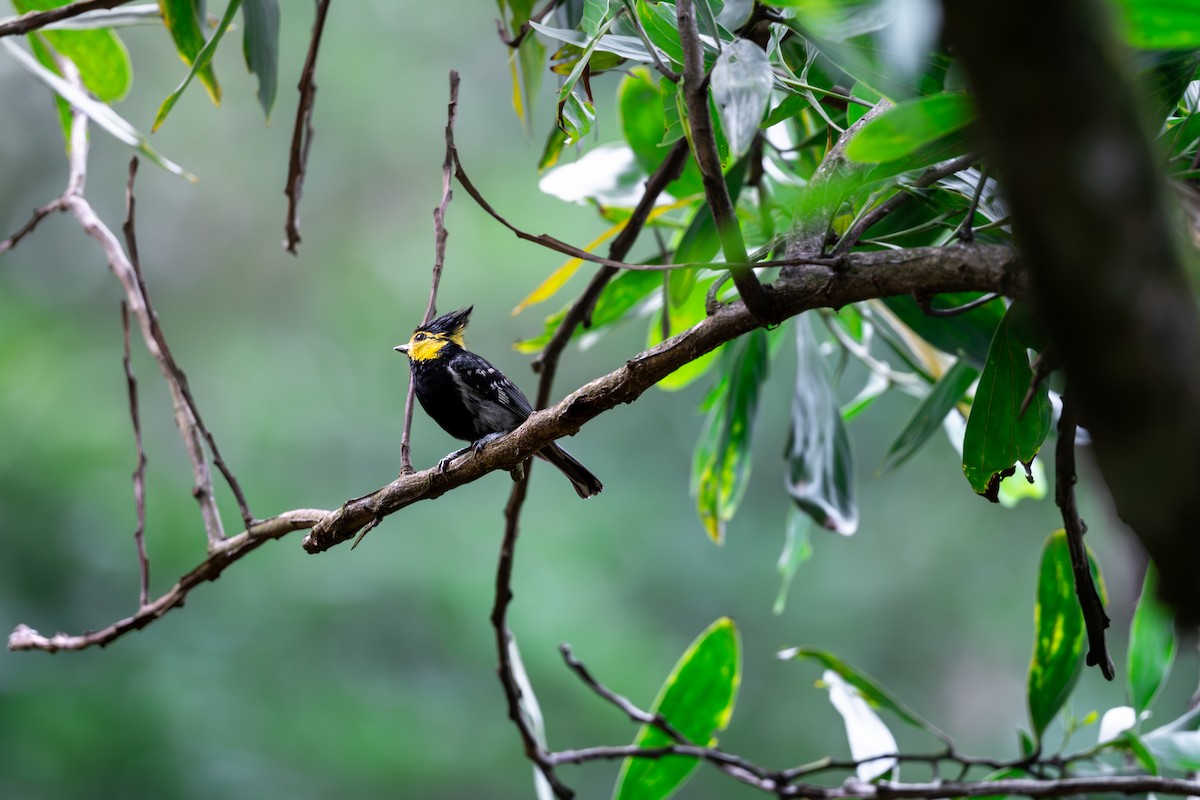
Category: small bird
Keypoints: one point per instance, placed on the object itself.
(471, 399)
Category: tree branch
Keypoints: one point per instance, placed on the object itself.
(35, 20)
(139, 471)
(704, 145)
(302, 131)
(864, 276)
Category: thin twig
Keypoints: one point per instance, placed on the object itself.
(40, 213)
(35, 20)
(302, 131)
(926, 178)
(228, 551)
(139, 472)
(925, 302)
(1094, 617)
(634, 713)
(966, 228)
(704, 144)
(515, 41)
(176, 376)
(439, 258)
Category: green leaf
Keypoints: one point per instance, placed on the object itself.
(584, 59)
(260, 45)
(183, 20)
(202, 60)
(797, 549)
(661, 27)
(96, 111)
(697, 699)
(643, 124)
(1177, 751)
(927, 419)
(630, 47)
(870, 689)
(741, 87)
(594, 14)
(820, 460)
(1161, 24)
(100, 56)
(721, 462)
(1059, 635)
(1151, 645)
(690, 312)
(908, 126)
(700, 242)
(576, 118)
(998, 435)
(527, 73)
(967, 336)
(789, 107)
(622, 294)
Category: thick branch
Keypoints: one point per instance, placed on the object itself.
(1086, 193)
(35, 20)
(863, 276)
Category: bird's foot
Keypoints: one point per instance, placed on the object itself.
(479, 444)
(445, 463)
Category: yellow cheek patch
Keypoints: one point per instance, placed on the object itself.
(427, 348)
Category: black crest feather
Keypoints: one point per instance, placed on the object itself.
(450, 324)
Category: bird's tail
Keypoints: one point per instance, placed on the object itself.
(586, 484)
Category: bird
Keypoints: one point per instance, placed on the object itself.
(471, 399)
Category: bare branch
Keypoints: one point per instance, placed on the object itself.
(35, 20)
(228, 551)
(302, 132)
(864, 276)
(57, 204)
(139, 472)
(1094, 618)
(704, 144)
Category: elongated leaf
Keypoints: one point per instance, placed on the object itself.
(202, 60)
(526, 64)
(797, 549)
(968, 336)
(630, 47)
(998, 435)
(594, 14)
(96, 111)
(100, 56)
(820, 460)
(584, 59)
(1178, 751)
(658, 20)
(741, 87)
(260, 45)
(182, 19)
(644, 123)
(721, 463)
(869, 738)
(119, 17)
(910, 125)
(870, 689)
(547, 288)
(928, 417)
(700, 242)
(1151, 645)
(45, 57)
(1059, 635)
(697, 698)
(531, 710)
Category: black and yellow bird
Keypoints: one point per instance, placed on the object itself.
(471, 399)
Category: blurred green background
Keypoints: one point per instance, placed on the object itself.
(371, 673)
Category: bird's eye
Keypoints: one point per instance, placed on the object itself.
(420, 337)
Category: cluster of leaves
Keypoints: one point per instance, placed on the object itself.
(105, 73)
(786, 79)
(697, 701)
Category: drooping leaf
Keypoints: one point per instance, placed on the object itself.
(576, 118)
(700, 242)
(868, 687)
(1059, 635)
(721, 462)
(1151, 645)
(118, 17)
(741, 87)
(998, 435)
(594, 14)
(820, 459)
(697, 699)
(182, 19)
(99, 54)
(202, 60)
(662, 29)
(45, 57)
(260, 45)
(910, 125)
(584, 59)
(869, 737)
(630, 47)
(797, 549)
(928, 417)
(526, 65)
(96, 111)
(531, 710)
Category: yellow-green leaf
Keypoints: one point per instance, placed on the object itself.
(182, 19)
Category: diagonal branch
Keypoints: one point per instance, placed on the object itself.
(35, 20)
(863, 276)
(302, 131)
(139, 471)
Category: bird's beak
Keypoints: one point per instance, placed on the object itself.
(401, 348)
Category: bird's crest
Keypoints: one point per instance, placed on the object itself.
(450, 326)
